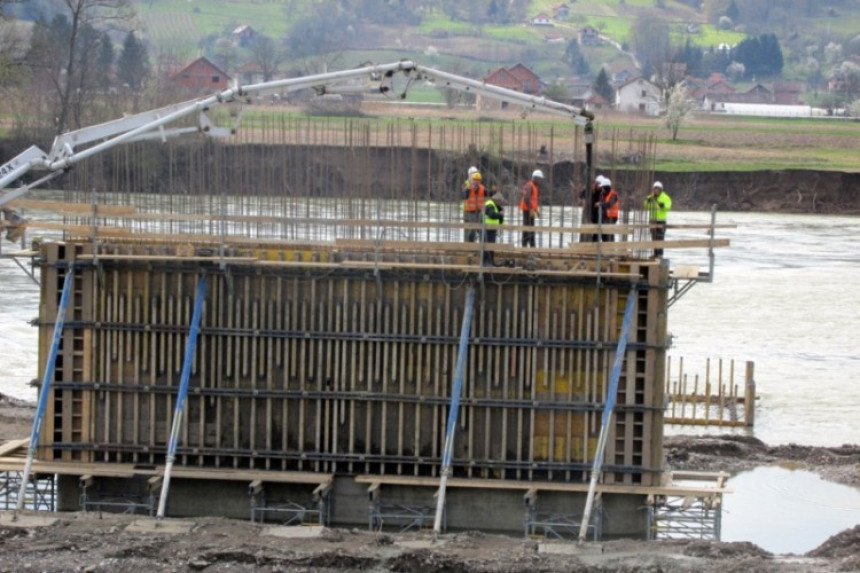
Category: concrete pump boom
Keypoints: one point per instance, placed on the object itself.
(73, 147)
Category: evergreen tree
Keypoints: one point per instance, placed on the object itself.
(573, 57)
(106, 57)
(133, 64)
(761, 56)
(602, 86)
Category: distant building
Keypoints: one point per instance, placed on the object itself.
(788, 93)
(200, 76)
(638, 95)
(243, 36)
(560, 11)
(542, 19)
(518, 78)
(589, 36)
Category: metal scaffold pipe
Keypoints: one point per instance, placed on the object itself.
(182, 394)
(454, 408)
(607, 411)
(45, 390)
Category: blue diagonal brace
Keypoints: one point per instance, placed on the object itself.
(45, 390)
(183, 393)
(611, 395)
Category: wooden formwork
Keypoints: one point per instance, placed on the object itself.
(321, 358)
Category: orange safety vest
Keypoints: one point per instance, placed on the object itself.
(612, 209)
(475, 200)
(529, 201)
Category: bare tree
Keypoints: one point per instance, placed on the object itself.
(319, 40)
(678, 108)
(266, 55)
(65, 51)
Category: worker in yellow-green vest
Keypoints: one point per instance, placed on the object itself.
(658, 203)
(493, 219)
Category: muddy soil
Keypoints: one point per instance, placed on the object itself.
(114, 542)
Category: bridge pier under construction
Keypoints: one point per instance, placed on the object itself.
(322, 380)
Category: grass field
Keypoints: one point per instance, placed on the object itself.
(705, 143)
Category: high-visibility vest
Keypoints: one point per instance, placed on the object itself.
(654, 208)
(611, 202)
(492, 214)
(529, 201)
(475, 200)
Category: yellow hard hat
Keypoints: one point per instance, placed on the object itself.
(477, 176)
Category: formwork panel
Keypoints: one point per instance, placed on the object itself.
(350, 371)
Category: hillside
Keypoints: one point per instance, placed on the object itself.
(486, 34)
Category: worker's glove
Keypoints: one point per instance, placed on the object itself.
(501, 218)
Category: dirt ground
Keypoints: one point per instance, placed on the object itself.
(112, 542)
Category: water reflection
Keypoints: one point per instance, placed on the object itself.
(784, 510)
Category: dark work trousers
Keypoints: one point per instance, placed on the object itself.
(528, 236)
(608, 221)
(489, 239)
(474, 217)
(658, 233)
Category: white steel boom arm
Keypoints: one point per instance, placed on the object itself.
(64, 152)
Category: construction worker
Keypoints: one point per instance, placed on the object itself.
(473, 206)
(608, 206)
(657, 204)
(591, 198)
(493, 219)
(530, 206)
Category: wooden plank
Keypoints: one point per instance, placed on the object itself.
(526, 485)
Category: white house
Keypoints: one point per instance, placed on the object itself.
(638, 95)
(542, 19)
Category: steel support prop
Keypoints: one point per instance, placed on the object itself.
(183, 393)
(454, 408)
(45, 390)
(596, 470)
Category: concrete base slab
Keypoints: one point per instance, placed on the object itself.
(165, 526)
(294, 531)
(7, 519)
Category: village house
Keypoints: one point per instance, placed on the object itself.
(589, 36)
(638, 95)
(200, 76)
(518, 78)
(542, 19)
(243, 36)
(787, 93)
(560, 11)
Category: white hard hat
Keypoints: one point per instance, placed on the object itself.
(537, 174)
(657, 184)
(607, 182)
(472, 170)
(599, 180)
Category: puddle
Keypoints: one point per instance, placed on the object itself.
(787, 511)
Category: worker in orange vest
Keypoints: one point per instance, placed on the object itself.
(473, 206)
(608, 205)
(530, 206)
